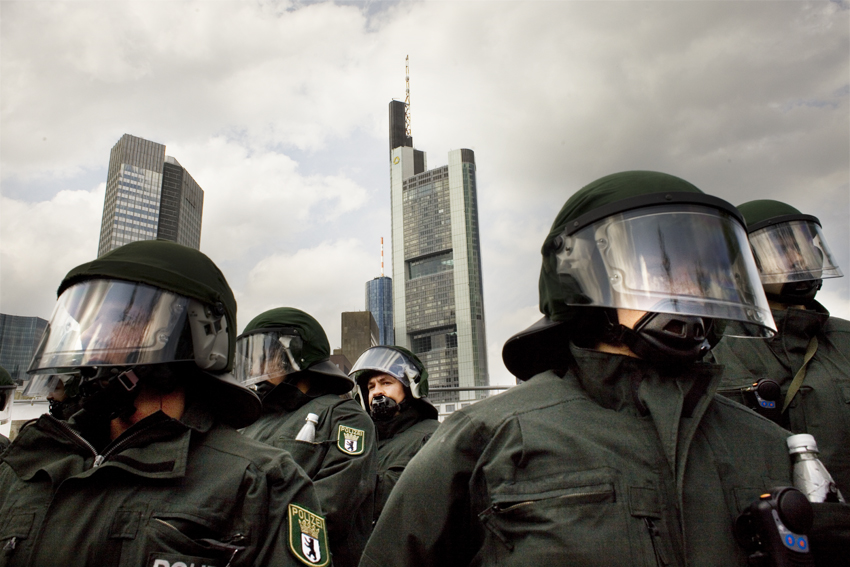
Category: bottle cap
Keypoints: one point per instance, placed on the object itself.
(801, 443)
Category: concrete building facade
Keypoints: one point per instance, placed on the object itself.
(359, 333)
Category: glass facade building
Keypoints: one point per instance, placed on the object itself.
(379, 301)
(148, 195)
(437, 290)
(19, 337)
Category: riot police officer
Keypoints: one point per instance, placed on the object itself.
(285, 353)
(393, 384)
(614, 450)
(801, 377)
(152, 470)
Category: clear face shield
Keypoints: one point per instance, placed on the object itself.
(792, 251)
(688, 259)
(42, 385)
(114, 323)
(267, 354)
(387, 361)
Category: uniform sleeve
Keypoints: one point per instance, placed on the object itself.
(345, 483)
(389, 473)
(293, 509)
(430, 518)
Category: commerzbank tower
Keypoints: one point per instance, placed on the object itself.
(438, 302)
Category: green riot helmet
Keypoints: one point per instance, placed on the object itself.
(399, 363)
(7, 395)
(134, 312)
(649, 242)
(287, 343)
(790, 250)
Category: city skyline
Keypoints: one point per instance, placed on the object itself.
(747, 100)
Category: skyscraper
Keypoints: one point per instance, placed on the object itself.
(148, 195)
(359, 333)
(379, 301)
(19, 337)
(437, 291)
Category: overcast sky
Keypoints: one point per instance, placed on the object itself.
(279, 111)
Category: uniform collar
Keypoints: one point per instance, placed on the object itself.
(796, 327)
(155, 447)
(675, 398)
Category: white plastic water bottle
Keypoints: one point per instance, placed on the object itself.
(810, 475)
(308, 432)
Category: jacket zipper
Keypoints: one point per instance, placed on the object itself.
(98, 458)
(655, 537)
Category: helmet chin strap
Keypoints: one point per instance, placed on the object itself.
(110, 394)
(796, 293)
(666, 338)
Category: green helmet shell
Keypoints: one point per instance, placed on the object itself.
(759, 211)
(315, 351)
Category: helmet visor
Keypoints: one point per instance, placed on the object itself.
(41, 385)
(113, 323)
(680, 258)
(267, 354)
(791, 252)
(388, 361)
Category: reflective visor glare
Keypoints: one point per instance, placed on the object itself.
(793, 251)
(265, 356)
(384, 360)
(40, 385)
(688, 259)
(110, 322)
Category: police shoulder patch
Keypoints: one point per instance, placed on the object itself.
(350, 440)
(308, 536)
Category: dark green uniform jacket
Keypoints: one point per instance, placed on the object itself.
(342, 462)
(580, 470)
(398, 440)
(167, 491)
(822, 405)
(4, 442)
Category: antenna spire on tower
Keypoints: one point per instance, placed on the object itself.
(382, 256)
(407, 130)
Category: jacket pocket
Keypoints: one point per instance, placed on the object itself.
(17, 530)
(552, 521)
(183, 535)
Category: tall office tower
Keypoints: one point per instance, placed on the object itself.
(359, 333)
(379, 302)
(437, 292)
(19, 337)
(148, 195)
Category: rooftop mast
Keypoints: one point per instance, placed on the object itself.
(407, 131)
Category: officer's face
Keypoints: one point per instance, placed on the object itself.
(386, 385)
